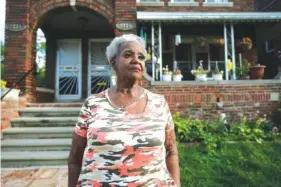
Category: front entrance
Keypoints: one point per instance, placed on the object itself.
(99, 74)
(68, 74)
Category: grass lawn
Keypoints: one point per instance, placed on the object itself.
(231, 165)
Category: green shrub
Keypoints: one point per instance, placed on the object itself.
(212, 134)
(233, 164)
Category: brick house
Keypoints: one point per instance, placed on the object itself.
(77, 32)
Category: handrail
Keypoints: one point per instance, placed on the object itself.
(19, 81)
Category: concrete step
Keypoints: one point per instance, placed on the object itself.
(37, 132)
(49, 112)
(9, 145)
(48, 105)
(27, 159)
(44, 121)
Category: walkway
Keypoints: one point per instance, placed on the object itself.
(34, 177)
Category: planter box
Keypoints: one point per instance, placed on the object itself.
(217, 77)
(12, 95)
(167, 78)
(177, 78)
(201, 77)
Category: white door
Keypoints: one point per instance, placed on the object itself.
(99, 75)
(68, 75)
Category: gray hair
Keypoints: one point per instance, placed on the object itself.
(113, 48)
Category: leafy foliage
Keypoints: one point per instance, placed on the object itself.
(233, 164)
(212, 134)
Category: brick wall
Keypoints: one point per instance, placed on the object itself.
(253, 98)
(238, 6)
(125, 11)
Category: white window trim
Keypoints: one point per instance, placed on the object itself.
(156, 3)
(182, 3)
(217, 4)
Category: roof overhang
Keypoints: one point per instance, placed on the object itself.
(209, 16)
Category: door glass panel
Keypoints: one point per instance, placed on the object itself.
(68, 68)
(100, 72)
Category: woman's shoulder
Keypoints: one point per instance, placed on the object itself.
(156, 96)
(96, 98)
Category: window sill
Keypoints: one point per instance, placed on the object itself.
(150, 4)
(223, 82)
(187, 4)
(229, 4)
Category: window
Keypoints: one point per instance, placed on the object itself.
(216, 1)
(183, 57)
(183, 3)
(150, 3)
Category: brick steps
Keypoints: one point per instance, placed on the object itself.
(44, 121)
(9, 145)
(37, 132)
(41, 136)
(49, 111)
(28, 158)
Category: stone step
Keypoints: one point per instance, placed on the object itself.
(37, 132)
(48, 105)
(44, 121)
(49, 111)
(9, 145)
(29, 158)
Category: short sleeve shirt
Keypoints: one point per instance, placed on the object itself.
(124, 149)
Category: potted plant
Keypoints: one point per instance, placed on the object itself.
(217, 74)
(177, 76)
(243, 71)
(200, 74)
(167, 75)
(257, 72)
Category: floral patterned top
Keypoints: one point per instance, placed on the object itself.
(124, 149)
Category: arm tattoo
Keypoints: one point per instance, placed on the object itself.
(170, 143)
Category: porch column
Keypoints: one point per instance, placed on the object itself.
(153, 51)
(20, 43)
(229, 49)
(233, 51)
(160, 49)
(156, 45)
(225, 51)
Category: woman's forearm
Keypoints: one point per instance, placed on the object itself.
(173, 167)
(73, 174)
(75, 159)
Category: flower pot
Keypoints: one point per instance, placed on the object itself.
(167, 77)
(177, 78)
(12, 95)
(217, 77)
(201, 77)
(257, 72)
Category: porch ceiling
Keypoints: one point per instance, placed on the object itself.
(209, 16)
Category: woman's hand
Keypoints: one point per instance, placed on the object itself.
(172, 160)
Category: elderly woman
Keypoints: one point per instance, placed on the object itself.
(125, 134)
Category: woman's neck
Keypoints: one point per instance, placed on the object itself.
(127, 88)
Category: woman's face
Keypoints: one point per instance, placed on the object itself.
(130, 62)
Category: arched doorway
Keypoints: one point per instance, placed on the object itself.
(75, 51)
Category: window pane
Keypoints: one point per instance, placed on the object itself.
(183, 52)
